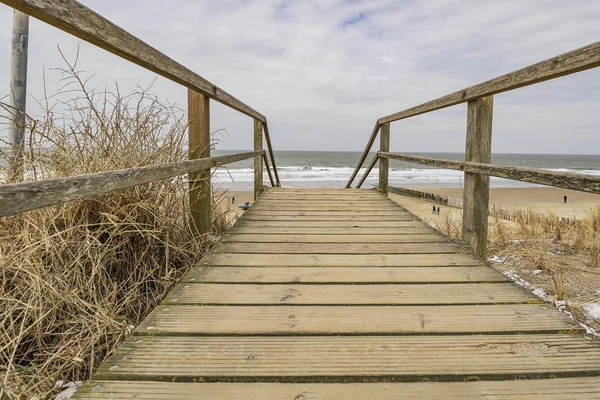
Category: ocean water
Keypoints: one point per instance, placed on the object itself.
(333, 169)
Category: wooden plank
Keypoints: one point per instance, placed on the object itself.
(324, 217)
(353, 359)
(200, 197)
(348, 239)
(268, 168)
(78, 20)
(476, 195)
(396, 294)
(344, 213)
(581, 59)
(339, 248)
(566, 180)
(258, 172)
(337, 260)
(20, 197)
(301, 230)
(269, 275)
(355, 320)
(331, 224)
(532, 389)
(384, 163)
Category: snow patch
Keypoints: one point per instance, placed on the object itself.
(69, 389)
(497, 259)
(592, 310)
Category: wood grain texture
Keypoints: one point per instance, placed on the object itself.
(200, 197)
(74, 18)
(397, 294)
(172, 319)
(343, 239)
(355, 275)
(20, 197)
(352, 230)
(547, 389)
(566, 180)
(581, 59)
(476, 194)
(354, 359)
(384, 163)
(339, 248)
(258, 146)
(339, 260)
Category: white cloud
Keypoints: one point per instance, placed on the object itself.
(324, 71)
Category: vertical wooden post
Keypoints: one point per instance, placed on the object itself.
(384, 163)
(199, 147)
(18, 95)
(258, 145)
(477, 187)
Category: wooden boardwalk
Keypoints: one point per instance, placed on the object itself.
(343, 294)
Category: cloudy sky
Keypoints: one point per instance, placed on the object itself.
(323, 71)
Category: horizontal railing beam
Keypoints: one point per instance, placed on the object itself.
(20, 197)
(78, 20)
(587, 57)
(565, 180)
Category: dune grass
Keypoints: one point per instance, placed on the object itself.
(77, 277)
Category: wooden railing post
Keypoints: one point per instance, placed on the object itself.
(258, 145)
(199, 147)
(384, 163)
(477, 187)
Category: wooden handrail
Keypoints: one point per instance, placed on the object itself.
(270, 148)
(20, 197)
(565, 180)
(578, 60)
(78, 20)
(266, 160)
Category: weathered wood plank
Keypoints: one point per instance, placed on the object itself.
(384, 163)
(533, 389)
(200, 198)
(566, 180)
(347, 239)
(336, 260)
(294, 230)
(339, 248)
(341, 320)
(342, 213)
(324, 217)
(397, 294)
(78, 20)
(581, 59)
(448, 274)
(268, 168)
(356, 358)
(476, 195)
(20, 197)
(331, 224)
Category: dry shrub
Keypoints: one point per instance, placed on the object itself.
(76, 278)
(448, 225)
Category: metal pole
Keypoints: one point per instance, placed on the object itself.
(18, 94)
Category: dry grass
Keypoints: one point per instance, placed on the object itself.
(559, 255)
(75, 278)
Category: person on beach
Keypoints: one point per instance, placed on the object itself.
(434, 208)
(565, 198)
(438, 210)
(232, 199)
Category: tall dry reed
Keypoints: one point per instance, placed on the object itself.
(77, 277)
